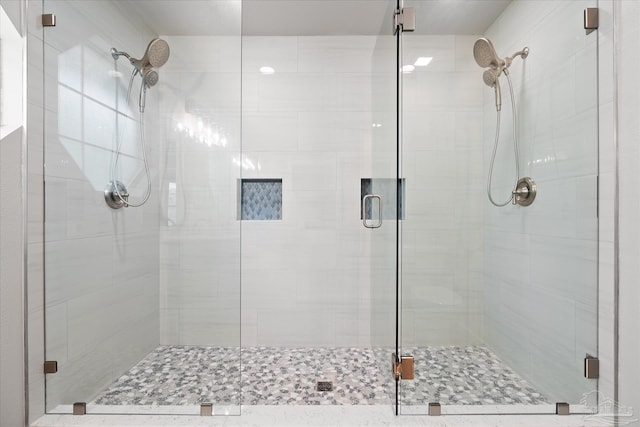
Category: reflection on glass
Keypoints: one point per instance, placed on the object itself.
(191, 128)
(171, 204)
(10, 76)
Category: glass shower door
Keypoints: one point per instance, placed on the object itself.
(499, 304)
(142, 303)
(380, 200)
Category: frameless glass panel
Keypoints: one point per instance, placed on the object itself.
(499, 303)
(383, 211)
(143, 303)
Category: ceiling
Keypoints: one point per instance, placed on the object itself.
(311, 17)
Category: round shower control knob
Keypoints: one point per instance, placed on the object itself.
(525, 192)
(116, 199)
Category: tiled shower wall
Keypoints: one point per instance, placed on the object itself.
(306, 278)
(541, 262)
(442, 165)
(313, 125)
(101, 264)
(199, 218)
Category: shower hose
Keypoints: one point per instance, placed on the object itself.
(515, 147)
(141, 105)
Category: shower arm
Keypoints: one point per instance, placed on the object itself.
(521, 53)
(135, 62)
(115, 54)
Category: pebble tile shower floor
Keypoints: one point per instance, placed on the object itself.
(183, 375)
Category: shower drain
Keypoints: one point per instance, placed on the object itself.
(324, 386)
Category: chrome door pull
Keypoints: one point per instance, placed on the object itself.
(364, 211)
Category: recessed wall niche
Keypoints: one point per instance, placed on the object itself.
(383, 187)
(261, 199)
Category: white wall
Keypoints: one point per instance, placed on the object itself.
(628, 67)
(306, 278)
(319, 102)
(200, 231)
(11, 216)
(442, 301)
(101, 265)
(541, 261)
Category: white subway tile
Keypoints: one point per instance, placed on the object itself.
(279, 53)
(335, 54)
(266, 131)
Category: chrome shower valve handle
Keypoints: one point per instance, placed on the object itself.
(116, 195)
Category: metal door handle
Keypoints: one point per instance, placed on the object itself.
(364, 211)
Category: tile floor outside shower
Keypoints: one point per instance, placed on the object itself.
(186, 375)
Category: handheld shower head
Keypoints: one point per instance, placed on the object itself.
(485, 54)
(150, 77)
(491, 79)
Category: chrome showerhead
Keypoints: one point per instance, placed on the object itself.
(485, 54)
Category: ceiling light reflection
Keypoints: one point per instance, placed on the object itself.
(407, 69)
(246, 163)
(423, 61)
(267, 70)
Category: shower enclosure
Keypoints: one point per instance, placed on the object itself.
(318, 208)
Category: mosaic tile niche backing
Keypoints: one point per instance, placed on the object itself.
(181, 375)
(261, 199)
